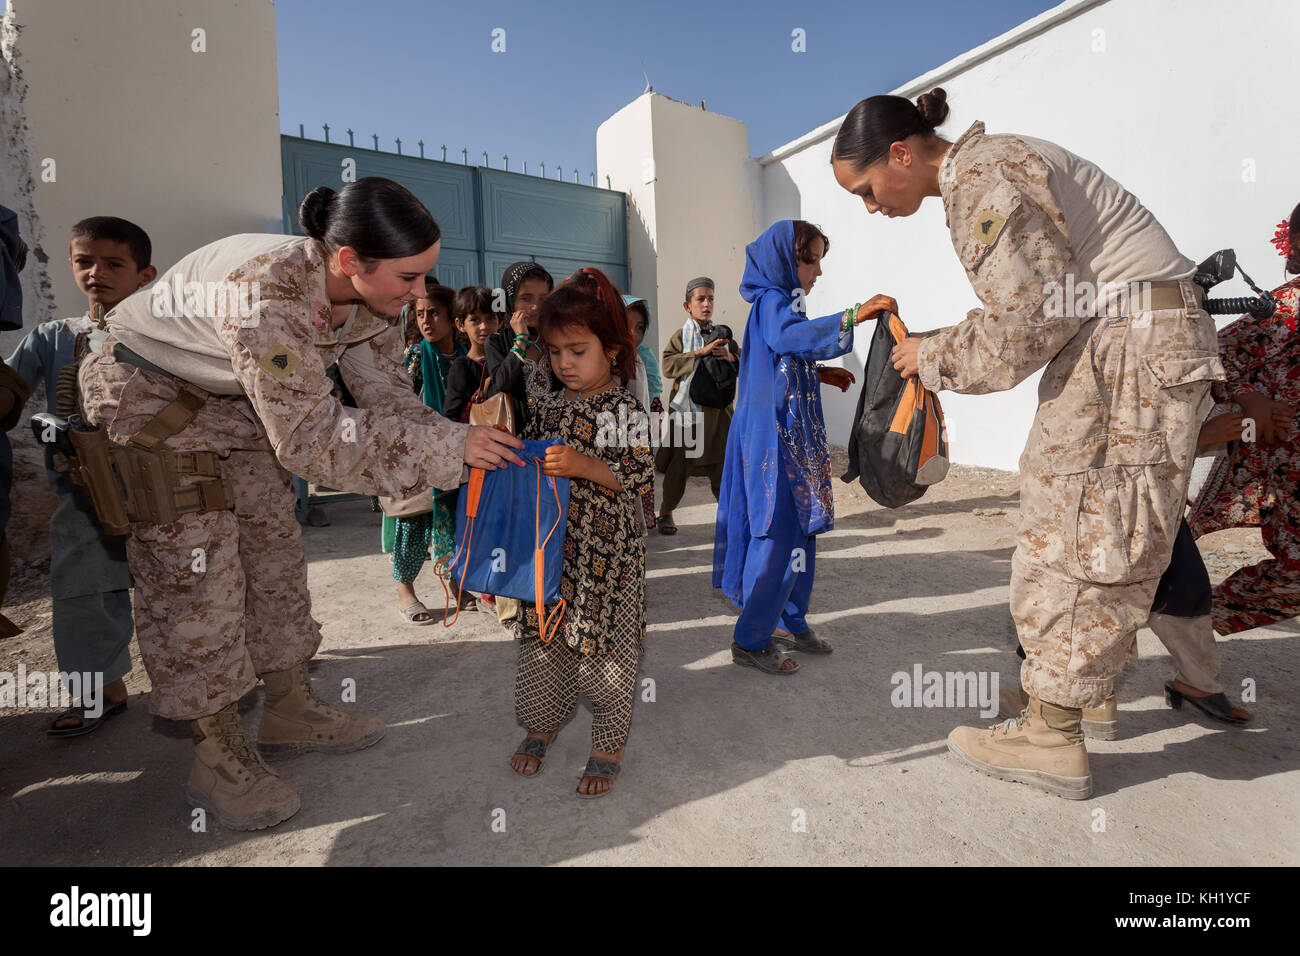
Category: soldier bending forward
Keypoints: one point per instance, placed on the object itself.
(1045, 237)
(211, 387)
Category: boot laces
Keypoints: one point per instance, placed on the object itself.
(328, 709)
(1012, 723)
(231, 730)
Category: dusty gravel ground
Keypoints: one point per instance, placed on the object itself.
(724, 765)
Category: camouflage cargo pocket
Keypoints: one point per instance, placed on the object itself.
(1116, 521)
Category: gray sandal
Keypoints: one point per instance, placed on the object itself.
(768, 660)
(535, 748)
(412, 611)
(604, 769)
(808, 642)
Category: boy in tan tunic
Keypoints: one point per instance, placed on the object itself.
(706, 433)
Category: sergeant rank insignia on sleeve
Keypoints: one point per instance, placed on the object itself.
(988, 226)
(280, 361)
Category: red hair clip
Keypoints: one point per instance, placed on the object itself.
(1282, 239)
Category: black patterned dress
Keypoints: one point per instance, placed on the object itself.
(597, 647)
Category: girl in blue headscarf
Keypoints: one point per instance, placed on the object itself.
(776, 483)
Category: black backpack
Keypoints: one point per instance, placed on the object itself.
(714, 383)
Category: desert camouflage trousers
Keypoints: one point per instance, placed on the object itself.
(220, 597)
(1103, 488)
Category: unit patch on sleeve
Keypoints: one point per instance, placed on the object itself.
(280, 361)
(988, 226)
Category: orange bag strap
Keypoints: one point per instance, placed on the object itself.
(474, 488)
(546, 627)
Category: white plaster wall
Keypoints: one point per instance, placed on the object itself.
(623, 143)
(185, 144)
(1179, 100)
(698, 213)
(17, 183)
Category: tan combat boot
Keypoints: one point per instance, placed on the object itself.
(1043, 747)
(1099, 723)
(296, 720)
(229, 778)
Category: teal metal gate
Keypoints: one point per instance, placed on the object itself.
(489, 218)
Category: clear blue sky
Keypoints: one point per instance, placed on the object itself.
(416, 69)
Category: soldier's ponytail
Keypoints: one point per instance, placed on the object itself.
(876, 122)
(377, 217)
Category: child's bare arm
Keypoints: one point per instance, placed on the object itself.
(564, 462)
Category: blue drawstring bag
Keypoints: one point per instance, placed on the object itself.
(510, 534)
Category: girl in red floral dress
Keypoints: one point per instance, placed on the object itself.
(1255, 484)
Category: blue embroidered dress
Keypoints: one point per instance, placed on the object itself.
(776, 484)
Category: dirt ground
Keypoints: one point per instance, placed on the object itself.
(724, 765)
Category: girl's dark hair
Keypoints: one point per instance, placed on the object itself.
(377, 217)
(471, 300)
(639, 308)
(1293, 235)
(588, 299)
(878, 121)
(804, 234)
(441, 294)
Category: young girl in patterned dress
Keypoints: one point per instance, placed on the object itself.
(1255, 484)
(598, 646)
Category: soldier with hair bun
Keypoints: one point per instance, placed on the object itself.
(209, 410)
(1124, 390)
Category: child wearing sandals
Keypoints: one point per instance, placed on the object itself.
(410, 539)
(596, 649)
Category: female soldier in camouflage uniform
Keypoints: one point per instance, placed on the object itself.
(1125, 388)
(212, 388)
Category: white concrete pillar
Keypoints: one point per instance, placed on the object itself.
(692, 190)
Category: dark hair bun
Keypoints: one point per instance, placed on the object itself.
(933, 106)
(313, 211)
